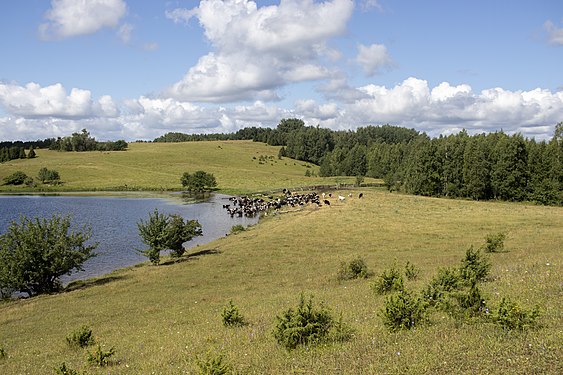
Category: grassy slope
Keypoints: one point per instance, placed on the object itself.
(156, 166)
(160, 318)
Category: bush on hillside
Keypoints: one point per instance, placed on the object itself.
(390, 280)
(411, 271)
(445, 281)
(16, 178)
(354, 269)
(403, 310)
(80, 338)
(100, 357)
(494, 243)
(511, 316)
(213, 364)
(232, 317)
(474, 266)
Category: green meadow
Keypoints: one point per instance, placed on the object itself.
(239, 167)
(161, 319)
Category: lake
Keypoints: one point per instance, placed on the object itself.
(114, 223)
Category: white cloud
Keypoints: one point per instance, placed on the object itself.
(124, 32)
(555, 34)
(258, 50)
(367, 5)
(32, 100)
(374, 58)
(68, 18)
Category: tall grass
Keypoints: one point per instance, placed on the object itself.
(160, 319)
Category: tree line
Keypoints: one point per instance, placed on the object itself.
(480, 167)
(82, 141)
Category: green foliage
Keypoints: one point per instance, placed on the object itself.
(359, 180)
(100, 357)
(162, 232)
(232, 317)
(31, 154)
(355, 269)
(465, 304)
(213, 365)
(80, 338)
(511, 316)
(390, 280)
(445, 281)
(48, 176)
(2, 352)
(411, 271)
(199, 181)
(35, 253)
(304, 325)
(16, 178)
(494, 243)
(235, 229)
(403, 310)
(474, 266)
(63, 369)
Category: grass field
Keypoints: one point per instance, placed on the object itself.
(159, 318)
(159, 166)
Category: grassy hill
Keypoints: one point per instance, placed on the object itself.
(159, 318)
(239, 166)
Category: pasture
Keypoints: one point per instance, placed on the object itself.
(239, 167)
(160, 318)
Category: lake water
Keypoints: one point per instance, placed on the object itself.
(114, 223)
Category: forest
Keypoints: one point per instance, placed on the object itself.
(480, 167)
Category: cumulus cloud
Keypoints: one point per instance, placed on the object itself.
(554, 33)
(374, 58)
(32, 100)
(258, 50)
(67, 18)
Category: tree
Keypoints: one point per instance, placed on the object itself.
(45, 175)
(31, 153)
(163, 232)
(198, 181)
(35, 253)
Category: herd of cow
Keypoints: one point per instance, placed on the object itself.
(246, 206)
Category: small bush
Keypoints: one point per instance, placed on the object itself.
(511, 316)
(16, 178)
(411, 271)
(390, 280)
(445, 281)
(341, 331)
(494, 243)
(99, 357)
(464, 305)
(213, 365)
(62, 369)
(304, 325)
(355, 269)
(2, 352)
(80, 338)
(403, 310)
(232, 317)
(235, 229)
(474, 266)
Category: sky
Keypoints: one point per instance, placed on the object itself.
(137, 69)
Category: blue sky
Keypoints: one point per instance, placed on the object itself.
(138, 69)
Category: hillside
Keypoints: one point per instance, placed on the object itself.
(239, 166)
(159, 318)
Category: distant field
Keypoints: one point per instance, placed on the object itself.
(158, 166)
(160, 318)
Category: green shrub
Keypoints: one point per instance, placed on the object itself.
(341, 331)
(304, 325)
(411, 271)
(403, 310)
(48, 176)
(213, 365)
(80, 338)
(62, 369)
(355, 269)
(232, 317)
(16, 178)
(494, 243)
(390, 280)
(466, 304)
(511, 316)
(2, 352)
(445, 281)
(235, 229)
(99, 357)
(474, 266)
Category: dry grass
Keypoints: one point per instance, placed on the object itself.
(160, 318)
